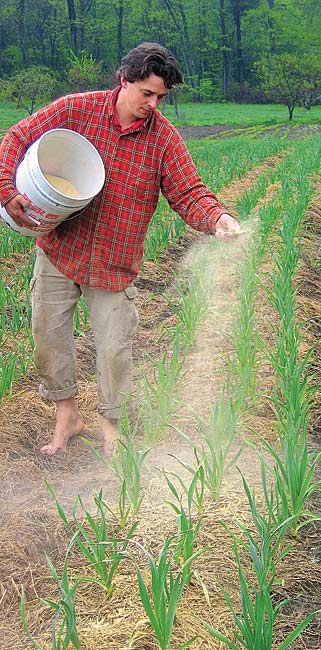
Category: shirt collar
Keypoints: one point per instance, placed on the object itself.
(141, 124)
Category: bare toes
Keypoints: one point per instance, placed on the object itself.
(51, 450)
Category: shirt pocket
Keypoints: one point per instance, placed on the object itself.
(146, 183)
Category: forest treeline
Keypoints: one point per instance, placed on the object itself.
(231, 50)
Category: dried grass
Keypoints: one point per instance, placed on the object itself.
(30, 526)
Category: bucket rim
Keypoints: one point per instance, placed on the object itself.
(82, 202)
(95, 152)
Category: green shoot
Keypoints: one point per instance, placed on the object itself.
(97, 541)
(166, 591)
(64, 629)
(188, 531)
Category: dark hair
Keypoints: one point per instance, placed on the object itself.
(147, 59)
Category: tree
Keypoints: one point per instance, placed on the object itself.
(21, 17)
(225, 48)
(217, 42)
(84, 73)
(293, 80)
(30, 87)
(73, 25)
(287, 81)
(311, 90)
(119, 8)
(178, 15)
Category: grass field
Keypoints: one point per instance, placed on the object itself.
(239, 114)
(204, 114)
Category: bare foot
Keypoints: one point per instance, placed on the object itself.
(68, 425)
(110, 434)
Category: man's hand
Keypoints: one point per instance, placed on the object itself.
(16, 210)
(226, 227)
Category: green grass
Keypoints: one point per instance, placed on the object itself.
(9, 115)
(239, 114)
(204, 114)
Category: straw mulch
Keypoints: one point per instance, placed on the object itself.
(31, 528)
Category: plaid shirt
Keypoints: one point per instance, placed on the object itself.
(103, 246)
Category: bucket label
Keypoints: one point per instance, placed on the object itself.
(42, 226)
(40, 217)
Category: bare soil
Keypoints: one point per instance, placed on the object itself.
(292, 130)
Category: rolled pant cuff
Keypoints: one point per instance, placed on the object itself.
(115, 412)
(57, 395)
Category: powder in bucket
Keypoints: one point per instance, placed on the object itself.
(62, 185)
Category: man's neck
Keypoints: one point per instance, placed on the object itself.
(124, 117)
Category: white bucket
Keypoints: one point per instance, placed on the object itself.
(68, 155)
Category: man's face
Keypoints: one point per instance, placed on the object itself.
(143, 96)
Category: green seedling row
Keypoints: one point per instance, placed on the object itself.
(162, 589)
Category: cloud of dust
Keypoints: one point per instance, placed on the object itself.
(216, 264)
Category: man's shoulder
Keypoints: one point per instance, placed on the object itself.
(164, 125)
(89, 97)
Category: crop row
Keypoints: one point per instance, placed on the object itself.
(107, 539)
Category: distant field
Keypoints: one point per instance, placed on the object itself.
(239, 114)
(9, 115)
(204, 114)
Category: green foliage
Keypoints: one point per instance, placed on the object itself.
(214, 455)
(294, 391)
(27, 88)
(254, 621)
(216, 43)
(11, 59)
(188, 529)
(254, 625)
(166, 592)
(311, 89)
(64, 629)
(96, 538)
(127, 463)
(84, 73)
(292, 79)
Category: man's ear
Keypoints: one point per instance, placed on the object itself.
(123, 81)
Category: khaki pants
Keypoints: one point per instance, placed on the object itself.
(114, 320)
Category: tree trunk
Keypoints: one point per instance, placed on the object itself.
(84, 8)
(53, 42)
(73, 25)
(291, 109)
(270, 28)
(82, 25)
(201, 31)
(188, 49)
(21, 17)
(120, 16)
(186, 46)
(224, 48)
(239, 52)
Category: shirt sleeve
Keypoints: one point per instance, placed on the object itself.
(185, 191)
(21, 136)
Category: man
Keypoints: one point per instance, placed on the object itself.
(98, 254)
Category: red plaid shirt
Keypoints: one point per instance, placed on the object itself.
(103, 246)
